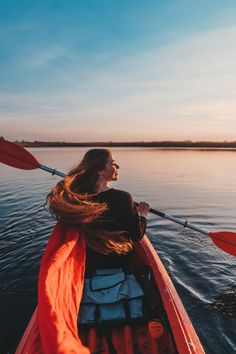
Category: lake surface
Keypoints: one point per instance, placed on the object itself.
(197, 185)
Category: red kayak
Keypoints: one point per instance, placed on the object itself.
(169, 331)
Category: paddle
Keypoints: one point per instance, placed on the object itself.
(16, 156)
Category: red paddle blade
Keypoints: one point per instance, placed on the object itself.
(225, 240)
(16, 156)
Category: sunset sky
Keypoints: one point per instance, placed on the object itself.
(109, 70)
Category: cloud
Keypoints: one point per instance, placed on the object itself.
(43, 57)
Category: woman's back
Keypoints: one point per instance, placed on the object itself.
(122, 215)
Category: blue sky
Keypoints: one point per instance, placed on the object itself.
(106, 70)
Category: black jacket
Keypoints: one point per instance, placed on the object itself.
(121, 216)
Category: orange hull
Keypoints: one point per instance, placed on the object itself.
(175, 333)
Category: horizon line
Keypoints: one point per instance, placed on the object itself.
(162, 143)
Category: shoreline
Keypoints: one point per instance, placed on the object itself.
(161, 144)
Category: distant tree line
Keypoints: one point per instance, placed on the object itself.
(161, 144)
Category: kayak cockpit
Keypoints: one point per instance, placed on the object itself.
(141, 328)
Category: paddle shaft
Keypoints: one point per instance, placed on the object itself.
(52, 171)
(223, 240)
(185, 223)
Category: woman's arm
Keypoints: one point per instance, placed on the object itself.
(134, 218)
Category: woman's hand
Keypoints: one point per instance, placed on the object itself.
(143, 209)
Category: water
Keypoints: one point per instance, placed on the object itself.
(196, 185)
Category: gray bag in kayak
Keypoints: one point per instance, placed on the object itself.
(110, 295)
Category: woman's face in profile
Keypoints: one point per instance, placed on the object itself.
(111, 171)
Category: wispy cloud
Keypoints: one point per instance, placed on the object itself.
(42, 57)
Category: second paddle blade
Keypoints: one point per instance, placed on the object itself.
(16, 156)
(226, 240)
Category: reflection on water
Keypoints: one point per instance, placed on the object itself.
(195, 185)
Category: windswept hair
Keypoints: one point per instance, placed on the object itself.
(71, 201)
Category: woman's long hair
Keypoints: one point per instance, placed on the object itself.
(71, 202)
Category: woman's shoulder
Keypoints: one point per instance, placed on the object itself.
(116, 197)
(120, 194)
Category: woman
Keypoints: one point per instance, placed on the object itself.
(107, 218)
(104, 220)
